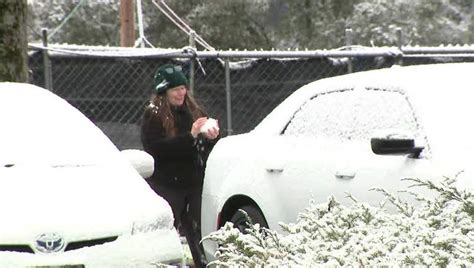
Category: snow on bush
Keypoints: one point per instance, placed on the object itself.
(437, 232)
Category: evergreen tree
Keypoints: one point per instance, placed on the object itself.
(263, 24)
(424, 22)
(81, 22)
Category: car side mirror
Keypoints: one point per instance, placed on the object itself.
(143, 162)
(395, 146)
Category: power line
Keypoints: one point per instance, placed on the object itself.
(65, 19)
(173, 17)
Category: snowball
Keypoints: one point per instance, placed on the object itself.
(210, 123)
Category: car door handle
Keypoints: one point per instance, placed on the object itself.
(274, 170)
(345, 175)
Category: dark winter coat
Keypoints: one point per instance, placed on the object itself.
(179, 160)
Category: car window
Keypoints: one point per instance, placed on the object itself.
(353, 114)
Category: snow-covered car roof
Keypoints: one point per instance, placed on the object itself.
(437, 91)
(440, 96)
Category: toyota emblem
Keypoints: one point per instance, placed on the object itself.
(49, 243)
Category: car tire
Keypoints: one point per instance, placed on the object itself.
(240, 220)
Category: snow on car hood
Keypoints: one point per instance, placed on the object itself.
(77, 201)
(38, 125)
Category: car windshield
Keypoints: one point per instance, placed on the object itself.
(42, 128)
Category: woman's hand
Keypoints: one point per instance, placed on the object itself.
(212, 132)
(197, 125)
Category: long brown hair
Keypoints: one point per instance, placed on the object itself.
(161, 108)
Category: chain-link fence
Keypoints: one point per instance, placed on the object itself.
(112, 85)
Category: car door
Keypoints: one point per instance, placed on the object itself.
(312, 154)
(329, 148)
(388, 112)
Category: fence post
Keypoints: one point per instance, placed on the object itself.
(48, 77)
(348, 45)
(192, 43)
(228, 97)
(399, 44)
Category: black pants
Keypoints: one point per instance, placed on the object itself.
(186, 206)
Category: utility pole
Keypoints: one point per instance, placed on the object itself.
(127, 23)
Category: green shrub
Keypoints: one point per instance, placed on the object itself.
(437, 232)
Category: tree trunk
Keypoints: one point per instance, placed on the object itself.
(13, 42)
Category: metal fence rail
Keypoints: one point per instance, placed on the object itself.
(112, 85)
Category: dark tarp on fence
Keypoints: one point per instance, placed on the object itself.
(112, 92)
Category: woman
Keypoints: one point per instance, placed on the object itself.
(171, 133)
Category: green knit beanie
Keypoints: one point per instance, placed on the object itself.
(169, 76)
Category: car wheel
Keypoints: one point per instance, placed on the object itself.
(240, 221)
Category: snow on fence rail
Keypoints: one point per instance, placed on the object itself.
(111, 85)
